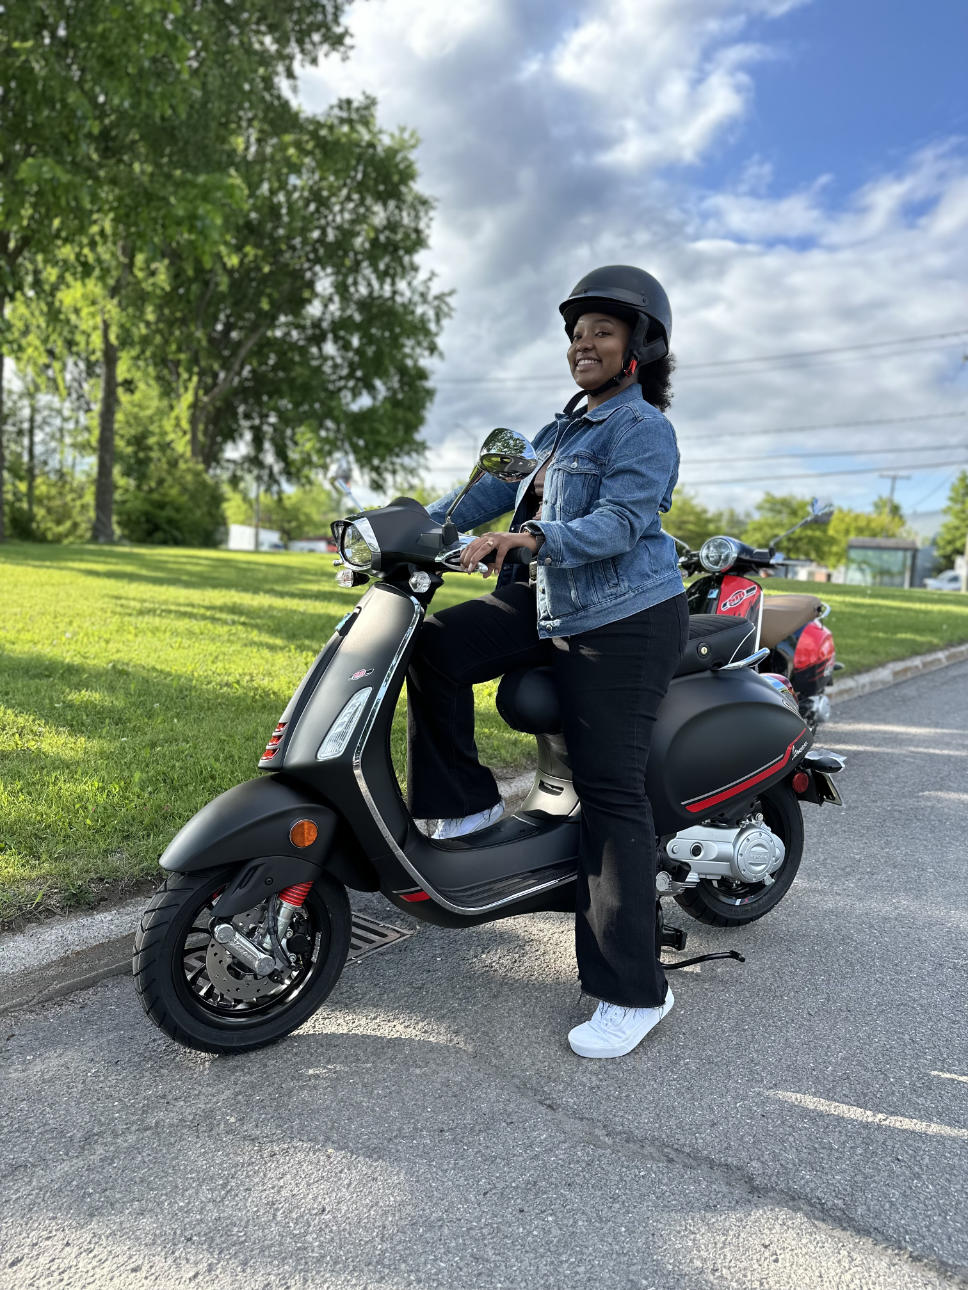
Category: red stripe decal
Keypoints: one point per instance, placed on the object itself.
(694, 807)
(414, 895)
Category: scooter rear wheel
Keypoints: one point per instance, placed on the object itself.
(731, 904)
(201, 997)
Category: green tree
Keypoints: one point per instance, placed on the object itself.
(691, 522)
(305, 341)
(174, 162)
(880, 522)
(119, 132)
(953, 534)
(775, 514)
(179, 506)
(306, 511)
(69, 69)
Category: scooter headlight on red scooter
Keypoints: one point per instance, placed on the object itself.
(358, 545)
(718, 554)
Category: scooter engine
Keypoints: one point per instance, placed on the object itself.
(815, 709)
(750, 853)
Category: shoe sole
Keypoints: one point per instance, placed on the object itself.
(624, 1049)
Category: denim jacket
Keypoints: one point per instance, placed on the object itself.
(605, 555)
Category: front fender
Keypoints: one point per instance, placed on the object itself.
(252, 821)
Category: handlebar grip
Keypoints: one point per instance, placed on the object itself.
(519, 555)
(516, 555)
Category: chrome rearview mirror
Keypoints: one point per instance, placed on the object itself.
(507, 455)
(821, 511)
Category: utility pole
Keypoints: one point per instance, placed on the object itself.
(890, 497)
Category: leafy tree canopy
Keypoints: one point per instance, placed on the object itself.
(954, 531)
(692, 523)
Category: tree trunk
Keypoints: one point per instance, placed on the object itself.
(31, 470)
(3, 458)
(103, 530)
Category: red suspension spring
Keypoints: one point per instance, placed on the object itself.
(295, 895)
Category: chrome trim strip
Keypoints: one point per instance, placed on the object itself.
(378, 818)
(750, 661)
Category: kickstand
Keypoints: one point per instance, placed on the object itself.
(703, 958)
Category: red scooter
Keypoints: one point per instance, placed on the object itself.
(802, 657)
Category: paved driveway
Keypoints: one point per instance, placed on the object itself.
(797, 1122)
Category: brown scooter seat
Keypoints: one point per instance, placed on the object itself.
(785, 613)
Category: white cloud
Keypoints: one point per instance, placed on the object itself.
(556, 138)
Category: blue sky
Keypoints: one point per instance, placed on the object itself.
(853, 87)
(794, 171)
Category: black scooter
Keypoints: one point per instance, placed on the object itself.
(250, 930)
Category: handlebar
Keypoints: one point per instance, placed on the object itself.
(451, 559)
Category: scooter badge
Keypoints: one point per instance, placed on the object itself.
(364, 671)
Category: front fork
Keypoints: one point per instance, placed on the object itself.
(266, 952)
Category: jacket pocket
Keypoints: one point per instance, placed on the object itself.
(579, 474)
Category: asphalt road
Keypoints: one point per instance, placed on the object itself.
(797, 1123)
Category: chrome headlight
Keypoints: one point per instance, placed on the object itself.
(358, 545)
(717, 554)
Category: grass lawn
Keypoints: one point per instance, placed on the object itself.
(137, 683)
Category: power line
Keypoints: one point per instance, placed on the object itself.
(924, 342)
(833, 349)
(815, 474)
(801, 456)
(838, 452)
(831, 425)
(948, 480)
(689, 439)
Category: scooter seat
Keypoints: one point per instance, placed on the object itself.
(785, 613)
(527, 698)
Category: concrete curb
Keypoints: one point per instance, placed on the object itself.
(903, 669)
(31, 986)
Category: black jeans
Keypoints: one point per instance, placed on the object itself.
(611, 682)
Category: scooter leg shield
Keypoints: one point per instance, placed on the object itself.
(255, 822)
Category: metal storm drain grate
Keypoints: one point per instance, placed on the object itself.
(368, 936)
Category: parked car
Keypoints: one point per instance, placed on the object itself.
(950, 580)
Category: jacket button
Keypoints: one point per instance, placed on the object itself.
(547, 559)
(574, 464)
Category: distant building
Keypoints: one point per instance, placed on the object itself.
(880, 562)
(242, 537)
(322, 543)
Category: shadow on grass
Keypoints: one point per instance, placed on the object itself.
(221, 570)
(306, 628)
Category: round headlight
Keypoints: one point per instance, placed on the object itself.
(358, 545)
(718, 554)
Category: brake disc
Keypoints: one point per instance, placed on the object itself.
(232, 980)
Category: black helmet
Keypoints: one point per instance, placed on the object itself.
(632, 295)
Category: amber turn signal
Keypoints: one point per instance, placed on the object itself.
(303, 833)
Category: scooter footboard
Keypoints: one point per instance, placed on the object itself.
(289, 831)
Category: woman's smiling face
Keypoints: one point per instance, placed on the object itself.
(597, 349)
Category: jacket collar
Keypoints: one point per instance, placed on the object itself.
(633, 394)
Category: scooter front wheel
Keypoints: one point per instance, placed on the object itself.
(202, 997)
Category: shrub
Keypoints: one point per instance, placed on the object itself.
(183, 507)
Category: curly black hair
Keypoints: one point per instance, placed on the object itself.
(656, 381)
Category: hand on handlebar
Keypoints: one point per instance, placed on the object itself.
(495, 547)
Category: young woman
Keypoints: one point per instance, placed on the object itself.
(605, 608)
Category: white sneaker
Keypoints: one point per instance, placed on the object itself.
(614, 1031)
(456, 828)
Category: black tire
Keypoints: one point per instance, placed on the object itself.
(731, 904)
(171, 966)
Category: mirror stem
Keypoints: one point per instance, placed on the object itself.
(476, 474)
